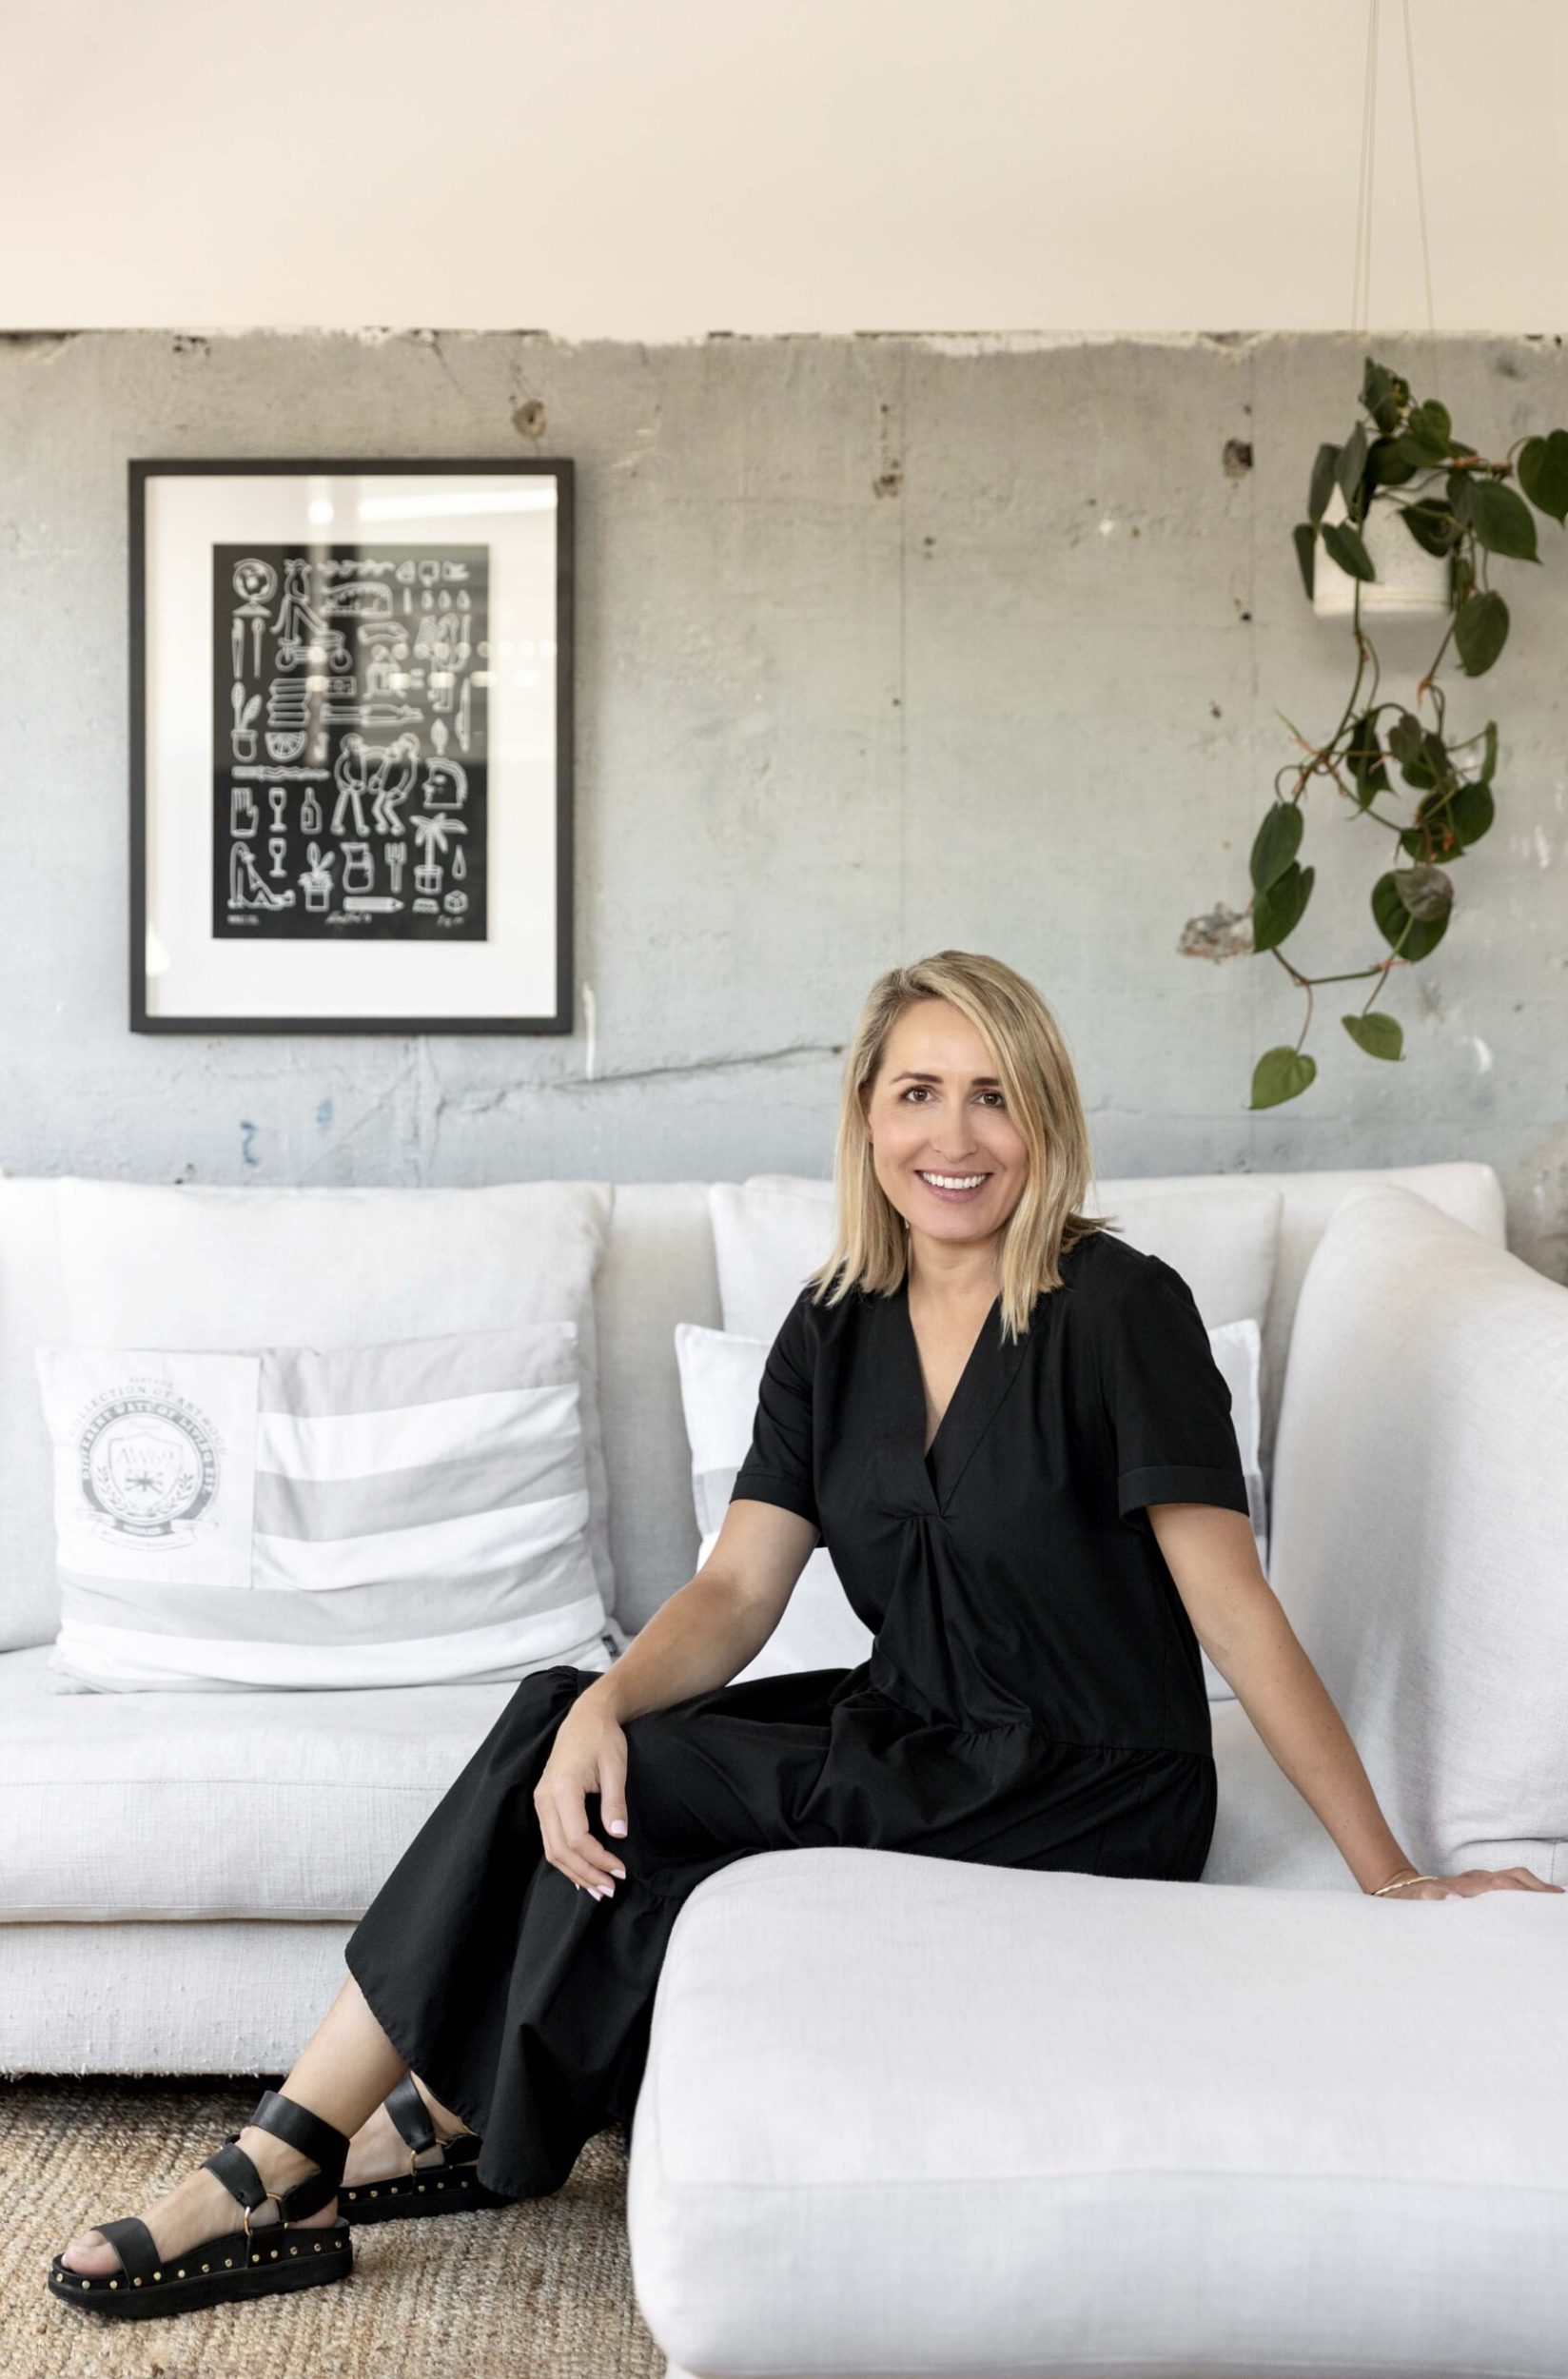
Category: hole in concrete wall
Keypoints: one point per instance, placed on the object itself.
(1237, 457)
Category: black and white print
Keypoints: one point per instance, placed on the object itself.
(350, 741)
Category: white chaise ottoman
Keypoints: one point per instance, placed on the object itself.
(906, 2116)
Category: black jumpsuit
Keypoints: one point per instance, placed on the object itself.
(1033, 1696)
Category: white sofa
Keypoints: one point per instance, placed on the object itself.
(901, 2116)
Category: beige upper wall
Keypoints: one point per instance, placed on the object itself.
(616, 169)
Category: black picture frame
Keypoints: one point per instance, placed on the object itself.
(144, 1016)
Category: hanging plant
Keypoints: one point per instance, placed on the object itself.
(1459, 506)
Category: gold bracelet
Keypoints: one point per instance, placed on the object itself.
(1399, 1880)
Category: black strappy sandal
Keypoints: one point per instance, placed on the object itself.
(450, 2186)
(262, 2259)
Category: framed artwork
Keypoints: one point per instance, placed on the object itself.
(351, 747)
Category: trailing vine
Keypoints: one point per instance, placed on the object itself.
(1458, 504)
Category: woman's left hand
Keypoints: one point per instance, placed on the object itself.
(1474, 1879)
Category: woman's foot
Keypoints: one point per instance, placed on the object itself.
(379, 2151)
(201, 2207)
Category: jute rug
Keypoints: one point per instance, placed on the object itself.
(541, 2290)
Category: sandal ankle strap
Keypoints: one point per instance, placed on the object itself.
(287, 2120)
(410, 2114)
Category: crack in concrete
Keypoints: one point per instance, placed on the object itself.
(463, 1104)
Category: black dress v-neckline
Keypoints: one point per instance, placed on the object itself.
(925, 1477)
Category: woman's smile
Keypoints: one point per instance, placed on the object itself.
(954, 1188)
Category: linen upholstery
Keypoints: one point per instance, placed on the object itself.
(32, 1310)
(658, 1270)
(163, 1998)
(903, 2115)
(179, 1805)
(1421, 1525)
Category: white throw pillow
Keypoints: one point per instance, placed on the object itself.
(149, 1263)
(406, 1514)
(720, 1376)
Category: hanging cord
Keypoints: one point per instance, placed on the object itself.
(1421, 194)
(1361, 296)
(1362, 277)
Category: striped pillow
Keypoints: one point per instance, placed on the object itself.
(410, 1513)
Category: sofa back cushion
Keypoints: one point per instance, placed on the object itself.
(32, 1310)
(770, 1232)
(1420, 1522)
(408, 1514)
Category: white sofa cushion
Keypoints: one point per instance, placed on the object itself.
(33, 1308)
(1419, 1542)
(292, 1805)
(406, 1514)
(1222, 1235)
(156, 1264)
(913, 2115)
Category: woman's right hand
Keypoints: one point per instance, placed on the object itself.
(588, 1756)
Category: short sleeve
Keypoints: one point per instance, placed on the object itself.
(778, 1468)
(1167, 1400)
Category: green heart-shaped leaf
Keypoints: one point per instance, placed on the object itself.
(1279, 1074)
(1277, 841)
(1503, 520)
(1345, 543)
(1378, 1035)
(1480, 630)
(1543, 473)
(1278, 912)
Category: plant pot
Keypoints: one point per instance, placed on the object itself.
(1409, 579)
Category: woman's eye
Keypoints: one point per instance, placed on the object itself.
(998, 1095)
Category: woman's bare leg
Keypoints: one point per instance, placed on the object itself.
(342, 2074)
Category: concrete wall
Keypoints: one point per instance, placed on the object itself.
(884, 643)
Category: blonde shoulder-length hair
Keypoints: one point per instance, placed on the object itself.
(1035, 1071)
